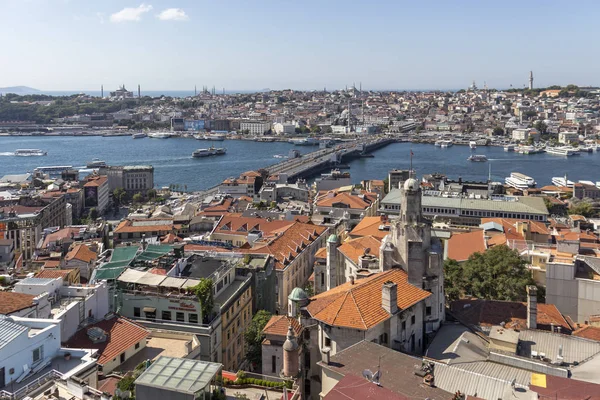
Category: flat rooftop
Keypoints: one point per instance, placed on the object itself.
(179, 375)
(202, 267)
(156, 347)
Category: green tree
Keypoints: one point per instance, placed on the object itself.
(541, 127)
(498, 131)
(584, 208)
(93, 214)
(119, 195)
(254, 336)
(151, 193)
(496, 274)
(204, 292)
(137, 198)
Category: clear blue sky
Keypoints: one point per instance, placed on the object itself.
(241, 44)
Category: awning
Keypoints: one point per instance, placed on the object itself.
(149, 310)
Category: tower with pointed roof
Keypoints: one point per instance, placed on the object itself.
(411, 246)
(291, 356)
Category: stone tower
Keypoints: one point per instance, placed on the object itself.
(332, 262)
(291, 358)
(530, 80)
(416, 252)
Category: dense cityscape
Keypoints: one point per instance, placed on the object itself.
(322, 240)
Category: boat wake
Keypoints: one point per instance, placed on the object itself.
(7, 153)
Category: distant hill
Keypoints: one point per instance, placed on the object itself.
(19, 90)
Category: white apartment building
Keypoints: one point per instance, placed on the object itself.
(255, 127)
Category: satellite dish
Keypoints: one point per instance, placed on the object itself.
(377, 376)
(368, 375)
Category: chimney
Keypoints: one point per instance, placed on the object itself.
(389, 297)
(531, 307)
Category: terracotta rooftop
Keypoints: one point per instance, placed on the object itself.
(11, 302)
(462, 245)
(236, 225)
(321, 253)
(354, 248)
(61, 234)
(278, 325)
(128, 226)
(588, 332)
(81, 252)
(121, 335)
(96, 181)
(352, 201)
(369, 226)
(358, 305)
(479, 312)
(289, 243)
(53, 273)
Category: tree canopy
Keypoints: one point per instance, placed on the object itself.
(254, 336)
(496, 274)
(584, 208)
(204, 292)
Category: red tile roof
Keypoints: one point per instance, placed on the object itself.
(81, 252)
(588, 332)
(121, 335)
(236, 225)
(11, 302)
(54, 273)
(358, 305)
(278, 325)
(352, 201)
(288, 244)
(462, 245)
(479, 312)
(355, 248)
(369, 226)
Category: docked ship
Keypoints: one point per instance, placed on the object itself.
(529, 150)
(520, 181)
(96, 163)
(30, 152)
(562, 181)
(444, 144)
(139, 135)
(472, 145)
(219, 137)
(159, 135)
(211, 151)
(562, 151)
(305, 142)
(477, 158)
(510, 147)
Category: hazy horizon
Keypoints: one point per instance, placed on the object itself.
(65, 44)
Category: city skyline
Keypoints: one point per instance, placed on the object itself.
(69, 45)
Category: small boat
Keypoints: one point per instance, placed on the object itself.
(279, 156)
(444, 144)
(478, 158)
(30, 152)
(438, 143)
(96, 163)
(159, 135)
(139, 135)
(510, 147)
(219, 151)
(473, 144)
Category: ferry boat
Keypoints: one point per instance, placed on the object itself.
(96, 163)
(562, 181)
(510, 147)
(562, 151)
(30, 152)
(159, 135)
(444, 144)
(585, 149)
(139, 135)
(520, 181)
(472, 145)
(438, 143)
(211, 151)
(478, 158)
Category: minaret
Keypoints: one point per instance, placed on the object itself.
(102, 91)
(291, 359)
(349, 116)
(139, 92)
(195, 91)
(530, 80)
